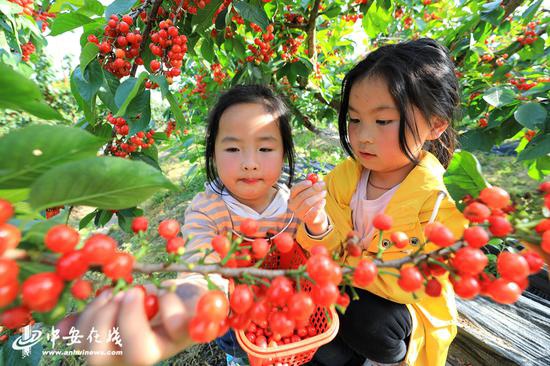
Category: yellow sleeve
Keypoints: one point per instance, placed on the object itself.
(339, 215)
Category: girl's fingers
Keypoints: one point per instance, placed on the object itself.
(299, 187)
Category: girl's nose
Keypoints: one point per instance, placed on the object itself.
(366, 136)
(249, 164)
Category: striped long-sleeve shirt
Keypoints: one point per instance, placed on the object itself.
(210, 214)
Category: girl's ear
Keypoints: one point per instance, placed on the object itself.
(439, 125)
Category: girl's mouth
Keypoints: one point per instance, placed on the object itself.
(366, 155)
(250, 180)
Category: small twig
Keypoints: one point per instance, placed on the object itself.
(150, 21)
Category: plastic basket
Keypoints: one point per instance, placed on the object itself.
(297, 353)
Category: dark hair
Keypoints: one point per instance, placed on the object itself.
(418, 73)
(241, 94)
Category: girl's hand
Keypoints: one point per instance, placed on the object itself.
(144, 342)
(308, 202)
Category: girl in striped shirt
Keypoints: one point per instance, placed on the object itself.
(248, 139)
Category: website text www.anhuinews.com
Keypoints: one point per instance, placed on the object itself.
(81, 353)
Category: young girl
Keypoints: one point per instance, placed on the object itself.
(395, 122)
(248, 138)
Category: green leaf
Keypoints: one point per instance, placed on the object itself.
(85, 221)
(89, 53)
(85, 87)
(29, 152)
(238, 48)
(499, 96)
(59, 5)
(174, 106)
(207, 50)
(252, 13)
(104, 182)
(141, 105)
(463, 176)
(492, 12)
(478, 139)
(92, 7)
(530, 115)
(127, 91)
(119, 7)
(538, 147)
(14, 195)
(21, 94)
(68, 21)
(529, 13)
(540, 168)
(203, 19)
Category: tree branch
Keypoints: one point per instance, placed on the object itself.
(150, 21)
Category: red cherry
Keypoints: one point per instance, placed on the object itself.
(534, 261)
(61, 238)
(15, 318)
(313, 178)
(433, 287)
(466, 286)
(504, 291)
(469, 261)
(6, 211)
(354, 250)
(324, 294)
(280, 291)
(260, 248)
(477, 212)
(410, 279)
(249, 227)
(98, 249)
(154, 65)
(8, 293)
(8, 271)
(495, 197)
(284, 242)
(40, 292)
(399, 239)
(439, 234)
(476, 236)
(202, 330)
(151, 303)
(343, 300)
(10, 236)
(512, 266)
(213, 306)
(169, 228)
(382, 222)
(81, 289)
(300, 306)
(119, 266)
(365, 273)
(71, 265)
(139, 223)
(499, 226)
(241, 299)
(221, 245)
(173, 245)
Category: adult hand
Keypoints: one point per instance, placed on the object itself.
(144, 342)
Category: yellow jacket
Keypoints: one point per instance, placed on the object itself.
(411, 207)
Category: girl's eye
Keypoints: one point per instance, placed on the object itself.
(383, 122)
(231, 149)
(354, 120)
(265, 149)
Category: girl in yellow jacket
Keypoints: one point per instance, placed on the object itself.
(395, 122)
